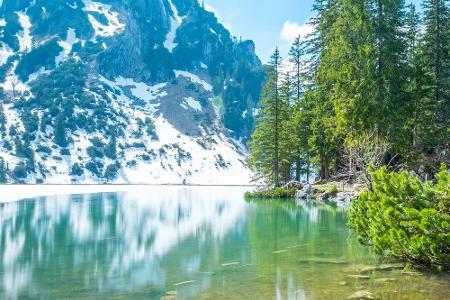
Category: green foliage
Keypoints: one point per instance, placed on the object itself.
(94, 167)
(111, 171)
(23, 150)
(151, 129)
(333, 190)
(39, 57)
(76, 170)
(434, 58)
(276, 193)
(406, 218)
(2, 121)
(111, 148)
(60, 130)
(20, 171)
(265, 157)
(95, 152)
(65, 152)
(30, 121)
(368, 67)
(2, 171)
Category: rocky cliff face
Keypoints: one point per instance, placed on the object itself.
(141, 91)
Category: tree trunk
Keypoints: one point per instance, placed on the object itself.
(307, 172)
(325, 169)
(298, 170)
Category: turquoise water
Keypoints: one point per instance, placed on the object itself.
(191, 243)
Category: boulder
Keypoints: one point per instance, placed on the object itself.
(293, 184)
(361, 295)
(306, 193)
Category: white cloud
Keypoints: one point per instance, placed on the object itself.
(291, 30)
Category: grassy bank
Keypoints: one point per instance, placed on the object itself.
(273, 193)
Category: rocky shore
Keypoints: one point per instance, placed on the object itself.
(338, 193)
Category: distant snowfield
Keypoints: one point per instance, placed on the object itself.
(12, 193)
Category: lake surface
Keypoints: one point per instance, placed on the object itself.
(191, 243)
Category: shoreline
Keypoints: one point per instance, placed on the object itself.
(17, 192)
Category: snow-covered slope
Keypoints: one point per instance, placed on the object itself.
(118, 92)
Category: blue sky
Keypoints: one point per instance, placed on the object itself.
(269, 23)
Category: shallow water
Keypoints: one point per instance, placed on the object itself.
(190, 243)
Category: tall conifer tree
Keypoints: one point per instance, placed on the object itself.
(265, 143)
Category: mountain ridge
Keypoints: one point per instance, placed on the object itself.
(146, 91)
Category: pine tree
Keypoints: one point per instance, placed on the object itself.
(2, 121)
(2, 170)
(265, 142)
(390, 46)
(60, 130)
(323, 142)
(111, 147)
(287, 135)
(436, 57)
(417, 114)
(299, 123)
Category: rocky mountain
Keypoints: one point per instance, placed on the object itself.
(124, 91)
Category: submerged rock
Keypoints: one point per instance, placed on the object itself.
(319, 260)
(184, 282)
(235, 263)
(358, 276)
(383, 280)
(366, 269)
(362, 295)
(280, 251)
(342, 199)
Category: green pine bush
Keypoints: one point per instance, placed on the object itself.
(406, 218)
(276, 193)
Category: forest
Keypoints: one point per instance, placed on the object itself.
(371, 85)
(366, 99)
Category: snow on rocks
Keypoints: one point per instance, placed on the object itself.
(24, 37)
(12, 82)
(175, 22)
(66, 45)
(5, 53)
(114, 26)
(139, 90)
(194, 104)
(202, 166)
(195, 79)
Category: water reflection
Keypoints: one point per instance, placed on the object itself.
(119, 241)
(184, 243)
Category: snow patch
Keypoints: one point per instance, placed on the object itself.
(138, 89)
(194, 78)
(5, 53)
(73, 5)
(35, 75)
(194, 104)
(114, 26)
(202, 167)
(66, 45)
(12, 82)
(175, 22)
(25, 39)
